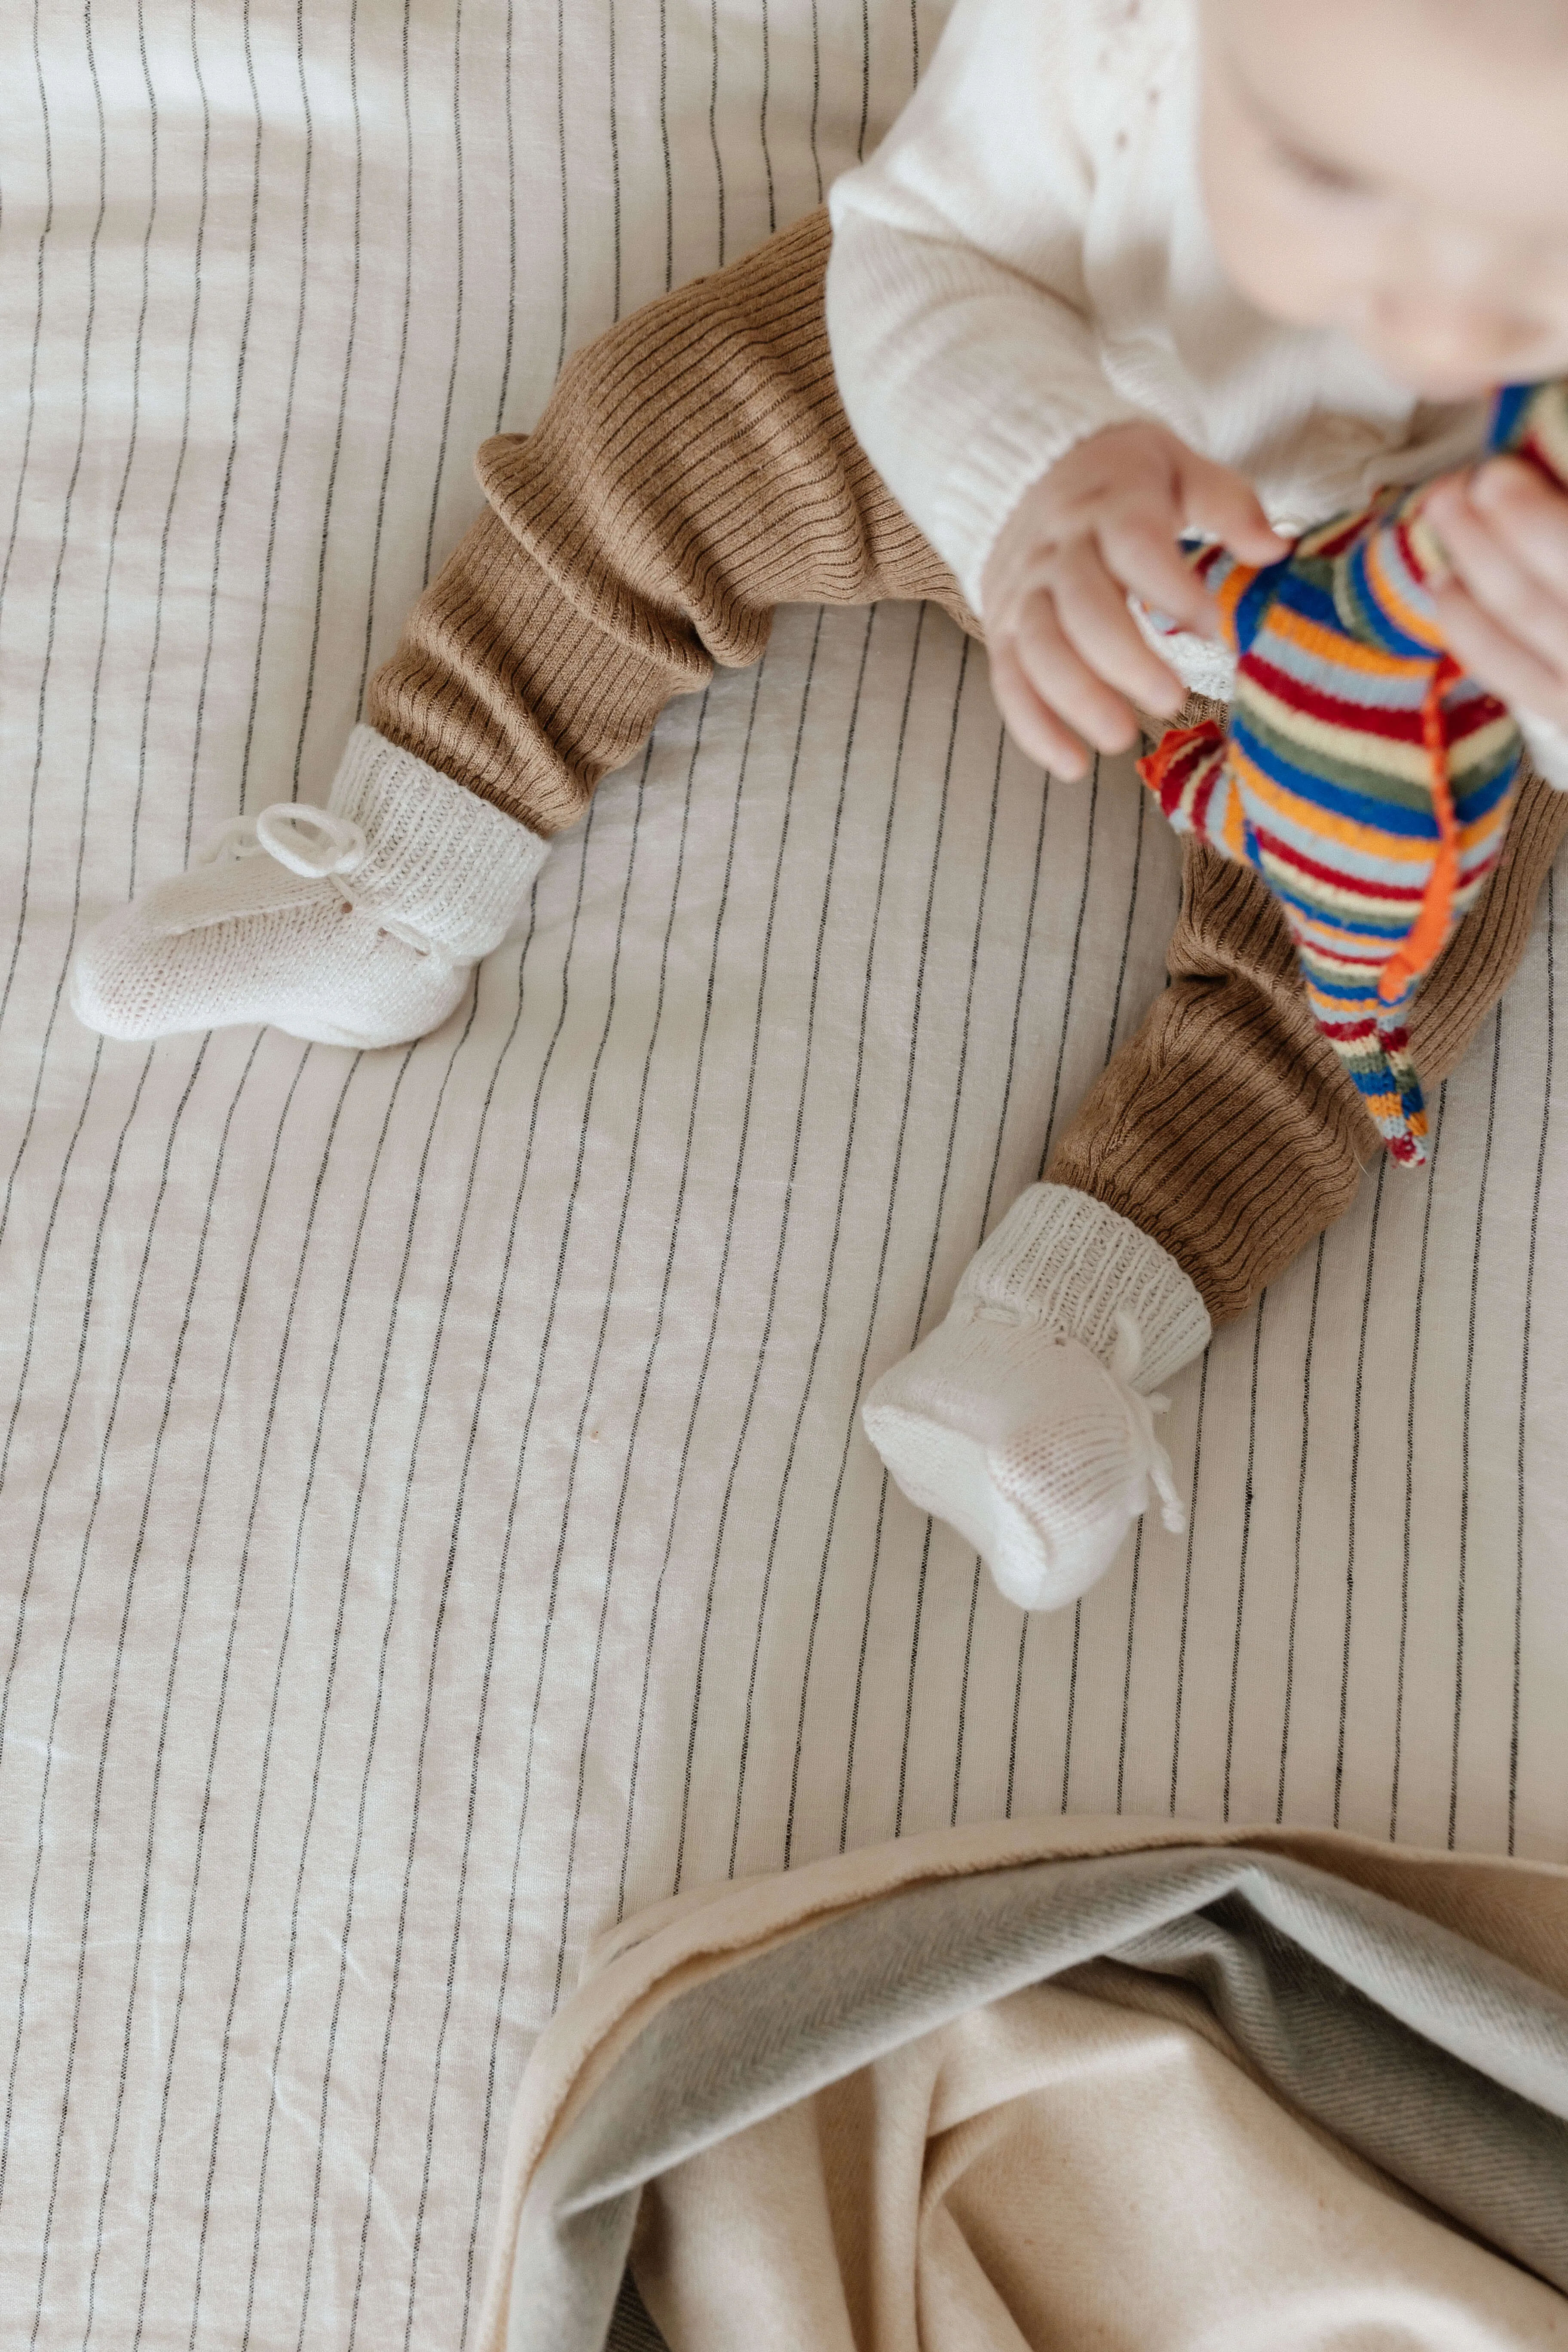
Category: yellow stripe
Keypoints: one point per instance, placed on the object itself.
(1349, 831)
(1415, 623)
(1353, 747)
(1344, 653)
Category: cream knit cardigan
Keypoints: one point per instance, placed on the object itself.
(1026, 259)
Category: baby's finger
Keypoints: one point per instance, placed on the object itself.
(1092, 609)
(1492, 654)
(1530, 515)
(1222, 505)
(1064, 681)
(1032, 725)
(1510, 594)
(1143, 555)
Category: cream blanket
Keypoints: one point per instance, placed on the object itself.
(1054, 2085)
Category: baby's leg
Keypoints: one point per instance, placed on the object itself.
(694, 468)
(1222, 1139)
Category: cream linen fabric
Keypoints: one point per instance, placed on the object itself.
(1062, 2169)
(433, 1517)
(1093, 2159)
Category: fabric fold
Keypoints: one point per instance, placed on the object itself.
(1395, 2092)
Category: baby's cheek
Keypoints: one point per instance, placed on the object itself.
(1281, 258)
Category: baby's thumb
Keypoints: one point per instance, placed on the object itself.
(1225, 506)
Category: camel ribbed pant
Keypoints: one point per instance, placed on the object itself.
(694, 469)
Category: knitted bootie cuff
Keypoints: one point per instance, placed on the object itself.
(440, 861)
(1064, 1257)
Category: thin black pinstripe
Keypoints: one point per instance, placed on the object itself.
(1465, 1426)
(36, 344)
(1353, 1497)
(287, 431)
(985, 1206)
(165, 535)
(713, 123)
(919, 1317)
(1187, 1585)
(399, 372)
(1126, 1668)
(761, 112)
(508, 69)
(445, 432)
(1072, 967)
(1410, 1466)
(350, 338)
(1307, 1357)
(1524, 1351)
(1247, 1500)
(507, 1533)
(225, 493)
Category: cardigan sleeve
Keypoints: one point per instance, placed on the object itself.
(957, 307)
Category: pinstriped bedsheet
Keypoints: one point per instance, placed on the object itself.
(434, 1519)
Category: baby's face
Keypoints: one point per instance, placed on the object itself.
(1398, 168)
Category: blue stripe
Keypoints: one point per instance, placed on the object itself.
(1507, 410)
(1397, 927)
(1379, 625)
(1254, 602)
(1362, 808)
(1471, 807)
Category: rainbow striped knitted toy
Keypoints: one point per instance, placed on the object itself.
(1364, 776)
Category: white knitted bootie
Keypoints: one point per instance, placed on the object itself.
(1025, 1419)
(353, 925)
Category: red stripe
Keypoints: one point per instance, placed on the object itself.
(1356, 718)
(1304, 865)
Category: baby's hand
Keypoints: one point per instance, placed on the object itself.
(1105, 521)
(1504, 529)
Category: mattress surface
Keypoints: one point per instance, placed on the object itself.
(435, 1520)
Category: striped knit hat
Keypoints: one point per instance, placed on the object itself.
(1364, 776)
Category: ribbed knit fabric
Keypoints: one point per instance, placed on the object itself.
(451, 867)
(694, 467)
(1364, 776)
(693, 470)
(1065, 1260)
(1025, 1419)
(1225, 1127)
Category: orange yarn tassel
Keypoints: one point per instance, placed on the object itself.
(1430, 929)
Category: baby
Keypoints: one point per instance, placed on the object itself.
(1121, 272)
